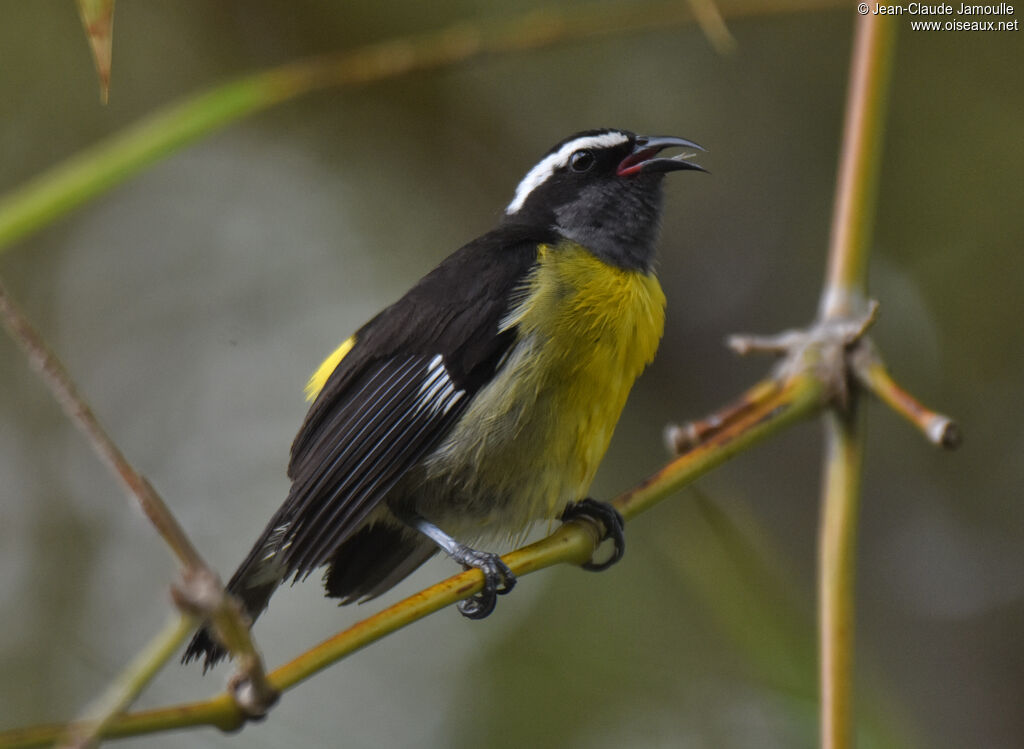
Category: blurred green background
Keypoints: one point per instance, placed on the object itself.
(192, 302)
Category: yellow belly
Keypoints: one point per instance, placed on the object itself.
(532, 439)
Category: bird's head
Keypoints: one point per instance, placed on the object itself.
(602, 189)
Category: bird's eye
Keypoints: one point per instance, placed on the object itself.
(582, 161)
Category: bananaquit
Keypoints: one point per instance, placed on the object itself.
(484, 398)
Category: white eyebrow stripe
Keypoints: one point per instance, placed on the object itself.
(547, 166)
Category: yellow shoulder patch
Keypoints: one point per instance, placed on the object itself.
(319, 379)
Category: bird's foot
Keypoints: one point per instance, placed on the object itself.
(610, 522)
(498, 580)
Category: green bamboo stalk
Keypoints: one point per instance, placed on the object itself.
(836, 576)
(853, 216)
(845, 296)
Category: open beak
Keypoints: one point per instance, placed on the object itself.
(644, 158)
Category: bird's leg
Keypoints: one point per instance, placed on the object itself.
(610, 521)
(498, 578)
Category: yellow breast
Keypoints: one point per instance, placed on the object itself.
(598, 328)
(598, 315)
(532, 439)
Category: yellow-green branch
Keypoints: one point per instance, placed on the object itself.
(573, 543)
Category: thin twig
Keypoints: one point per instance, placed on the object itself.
(201, 594)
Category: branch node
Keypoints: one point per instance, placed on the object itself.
(199, 593)
(823, 350)
(837, 351)
(253, 697)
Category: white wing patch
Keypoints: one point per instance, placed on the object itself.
(556, 160)
(438, 392)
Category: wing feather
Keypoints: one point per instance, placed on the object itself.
(395, 393)
(344, 516)
(360, 460)
(355, 416)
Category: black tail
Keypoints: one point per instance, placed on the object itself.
(370, 562)
(253, 583)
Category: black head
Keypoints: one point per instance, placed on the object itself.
(602, 189)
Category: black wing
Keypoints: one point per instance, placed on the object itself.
(411, 373)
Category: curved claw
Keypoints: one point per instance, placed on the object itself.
(498, 580)
(611, 522)
(477, 606)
